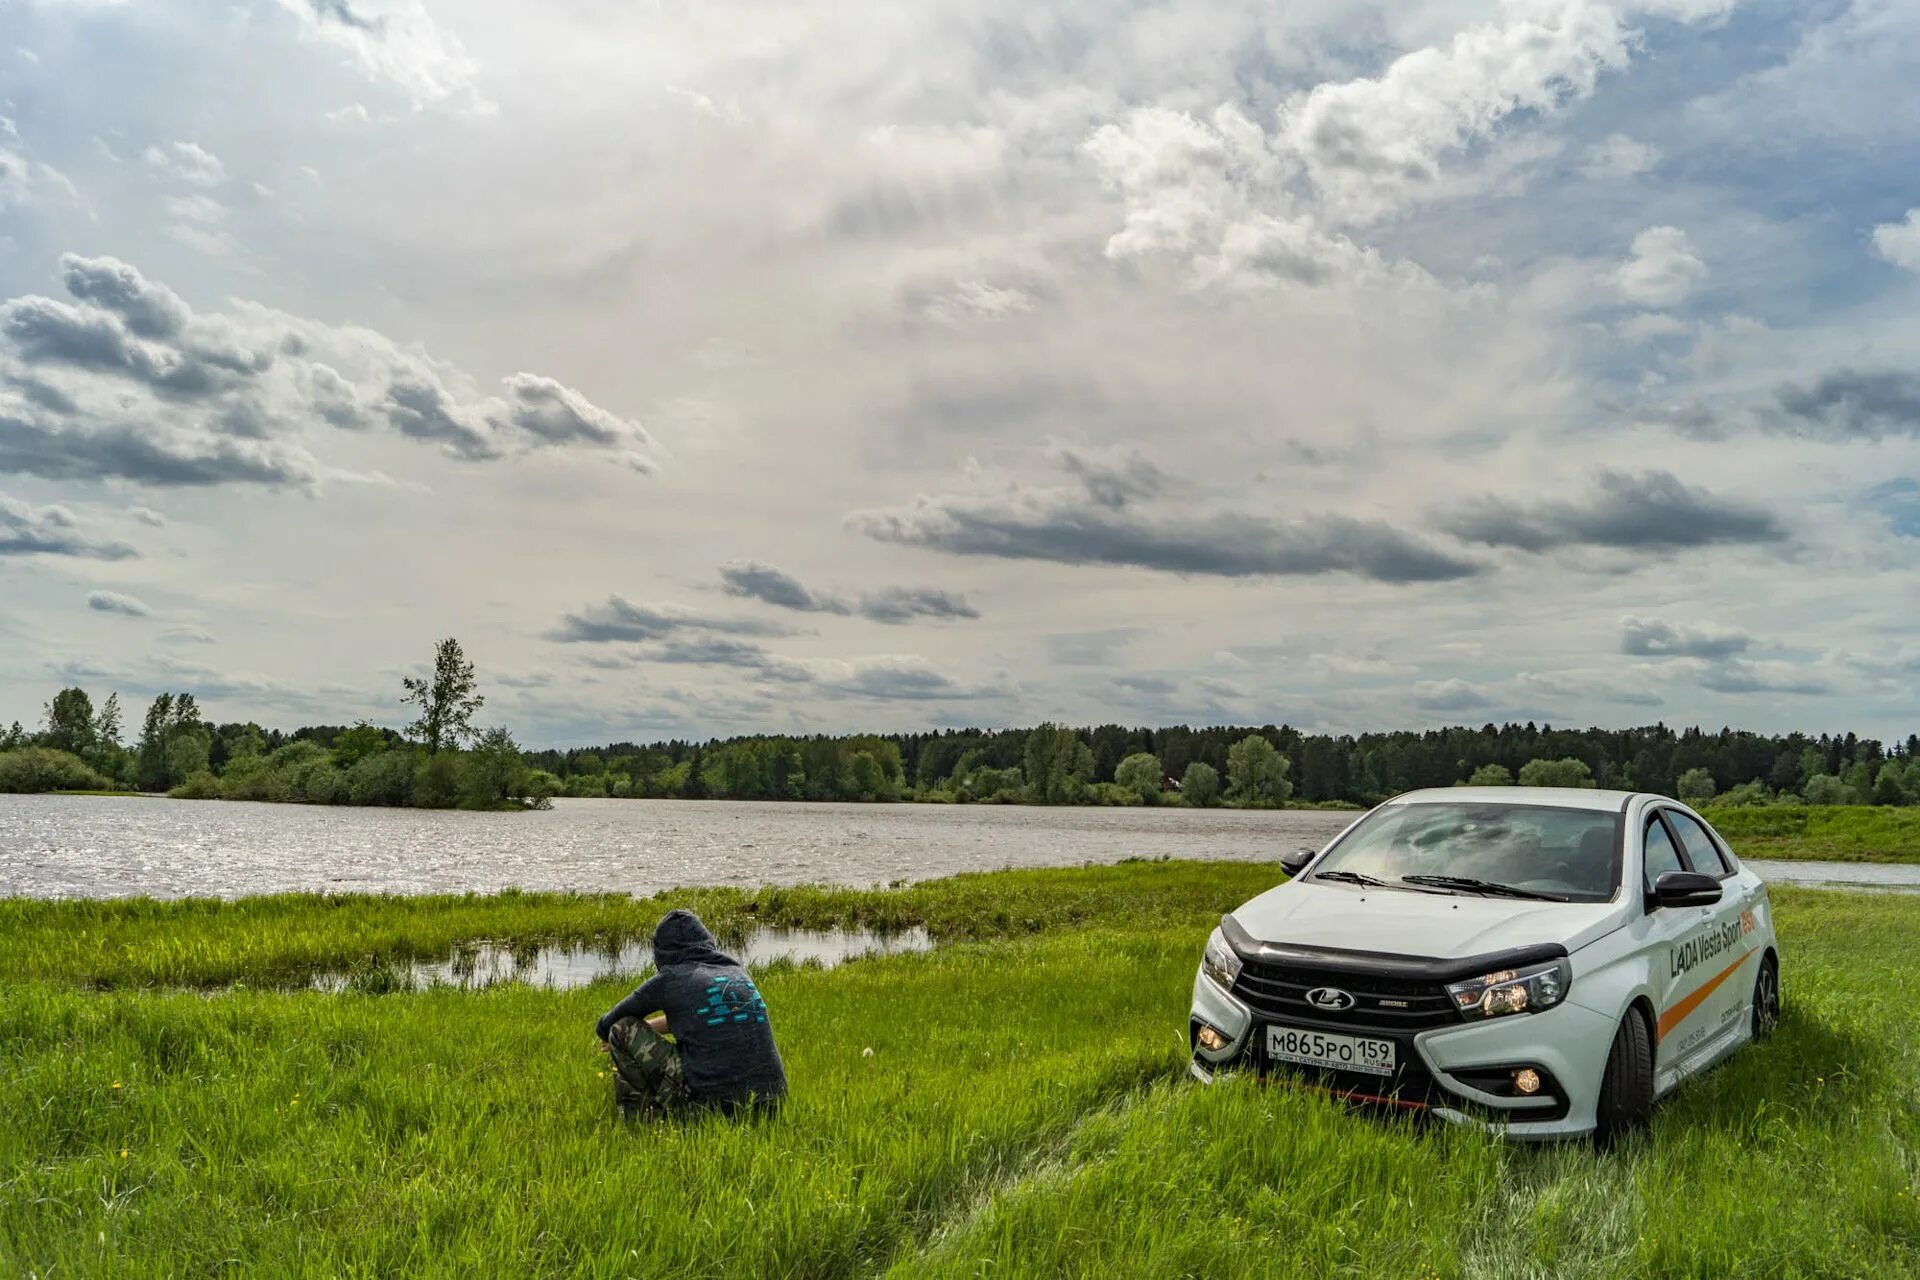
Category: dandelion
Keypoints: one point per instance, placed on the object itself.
(116, 1084)
(867, 1052)
(123, 1153)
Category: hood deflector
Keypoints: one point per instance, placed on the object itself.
(1386, 964)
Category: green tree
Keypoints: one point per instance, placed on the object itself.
(1491, 775)
(1889, 787)
(354, 745)
(1257, 774)
(14, 738)
(174, 743)
(1695, 786)
(1827, 788)
(1200, 785)
(186, 752)
(1059, 764)
(1566, 772)
(495, 770)
(436, 781)
(868, 779)
(69, 722)
(106, 725)
(446, 699)
(1140, 774)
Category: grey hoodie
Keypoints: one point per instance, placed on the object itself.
(713, 1010)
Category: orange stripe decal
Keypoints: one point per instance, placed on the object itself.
(1678, 1013)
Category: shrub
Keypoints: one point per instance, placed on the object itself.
(1567, 772)
(1257, 774)
(1825, 788)
(436, 781)
(385, 777)
(1111, 794)
(1140, 773)
(44, 769)
(1200, 785)
(1695, 786)
(587, 786)
(1747, 793)
(323, 784)
(252, 778)
(198, 786)
(1491, 775)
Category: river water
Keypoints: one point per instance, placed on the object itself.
(113, 846)
(98, 846)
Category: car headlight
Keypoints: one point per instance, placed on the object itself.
(1525, 990)
(1220, 962)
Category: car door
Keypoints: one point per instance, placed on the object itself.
(1662, 935)
(1725, 973)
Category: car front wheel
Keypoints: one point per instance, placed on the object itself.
(1626, 1091)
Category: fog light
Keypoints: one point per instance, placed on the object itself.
(1526, 1080)
(1211, 1039)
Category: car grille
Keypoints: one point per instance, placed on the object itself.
(1279, 992)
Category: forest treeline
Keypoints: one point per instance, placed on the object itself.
(441, 760)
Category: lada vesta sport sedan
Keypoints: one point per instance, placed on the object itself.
(1543, 961)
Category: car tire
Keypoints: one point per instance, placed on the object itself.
(1766, 998)
(1626, 1091)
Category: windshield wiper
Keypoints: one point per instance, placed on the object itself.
(1471, 885)
(1352, 877)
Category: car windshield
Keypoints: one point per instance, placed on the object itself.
(1563, 853)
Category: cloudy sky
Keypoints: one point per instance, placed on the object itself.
(720, 367)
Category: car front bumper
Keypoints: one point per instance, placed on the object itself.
(1448, 1072)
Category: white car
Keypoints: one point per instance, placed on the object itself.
(1543, 961)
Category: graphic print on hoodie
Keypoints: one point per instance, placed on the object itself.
(714, 1011)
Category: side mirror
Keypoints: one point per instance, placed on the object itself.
(1685, 889)
(1296, 862)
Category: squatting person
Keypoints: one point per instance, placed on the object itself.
(722, 1054)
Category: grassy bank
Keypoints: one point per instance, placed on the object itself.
(1023, 1111)
(1838, 833)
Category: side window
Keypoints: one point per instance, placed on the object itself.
(1701, 851)
(1661, 855)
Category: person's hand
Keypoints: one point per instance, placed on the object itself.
(605, 1047)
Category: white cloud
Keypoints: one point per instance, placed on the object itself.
(973, 301)
(1661, 268)
(1618, 156)
(1899, 242)
(186, 162)
(397, 41)
(1371, 146)
(195, 208)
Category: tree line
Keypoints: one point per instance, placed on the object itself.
(441, 760)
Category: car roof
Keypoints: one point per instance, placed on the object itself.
(1548, 797)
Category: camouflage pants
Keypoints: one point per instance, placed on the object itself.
(646, 1071)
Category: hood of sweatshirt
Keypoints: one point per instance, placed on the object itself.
(680, 938)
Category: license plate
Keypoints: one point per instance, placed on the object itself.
(1333, 1053)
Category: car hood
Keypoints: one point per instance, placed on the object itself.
(1434, 925)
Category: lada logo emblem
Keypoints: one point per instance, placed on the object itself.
(1330, 998)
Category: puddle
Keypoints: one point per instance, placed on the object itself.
(561, 967)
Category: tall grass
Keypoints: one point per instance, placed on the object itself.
(1023, 1112)
(1838, 833)
(284, 938)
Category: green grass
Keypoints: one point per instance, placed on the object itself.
(283, 939)
(1024, 1112)
(1835, 833)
